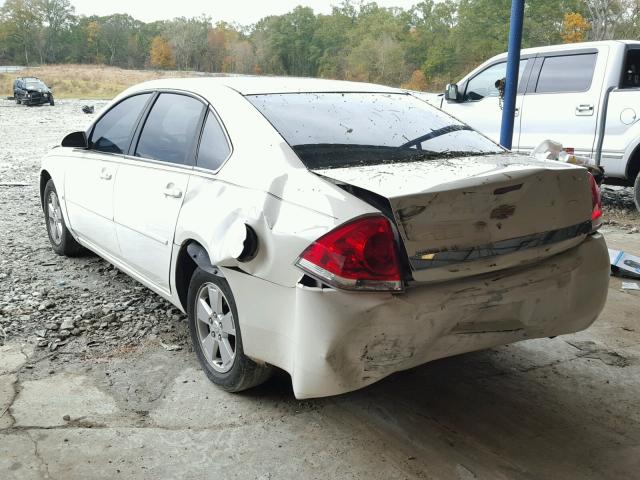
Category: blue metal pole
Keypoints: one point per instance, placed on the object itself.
(513, 64)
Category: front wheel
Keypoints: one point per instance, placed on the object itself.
(636, 191)
(215, 333)
(60, 238)
(51, 102)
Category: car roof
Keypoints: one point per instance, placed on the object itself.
(256, 85)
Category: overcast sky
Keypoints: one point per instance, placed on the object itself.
(241, 11)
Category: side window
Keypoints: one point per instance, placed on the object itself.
(484, 83)
(113, 131)
(566, 73)
(214, 148)
(170, 129)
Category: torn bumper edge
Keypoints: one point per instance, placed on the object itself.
(332, 341)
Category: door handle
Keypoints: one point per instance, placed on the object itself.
(172, 192)
(516, 112)
(584, 110)
(105, 174)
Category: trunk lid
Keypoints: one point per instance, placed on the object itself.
(466, 216)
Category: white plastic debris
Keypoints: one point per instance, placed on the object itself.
(550, 150)
(630, 286)
(170, 348)
(624, 264)
(547, 150)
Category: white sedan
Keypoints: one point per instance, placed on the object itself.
(339, 231)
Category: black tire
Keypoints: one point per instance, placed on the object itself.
(636, 191)
(62, 242)
(18, 100)
(244, 373)
(51, 102)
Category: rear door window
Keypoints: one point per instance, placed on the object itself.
(566, 73)
(112, 133)
(214, 148)
(170, 130)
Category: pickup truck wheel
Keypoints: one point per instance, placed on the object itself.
(18, 100)
(636, 191)
(60, 238)
(51, 102)
(215, 333)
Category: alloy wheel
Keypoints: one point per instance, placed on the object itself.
(54, 213)
(216, 327)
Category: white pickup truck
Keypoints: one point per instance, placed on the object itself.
(583, 95)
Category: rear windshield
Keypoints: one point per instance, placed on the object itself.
(329, 130)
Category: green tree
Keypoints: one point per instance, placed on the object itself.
(188, 39)
(56, 17)
(21, 25)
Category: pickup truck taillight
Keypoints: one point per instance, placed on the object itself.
(596, 203)
(358, 255)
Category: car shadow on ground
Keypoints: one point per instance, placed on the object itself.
(496, 409)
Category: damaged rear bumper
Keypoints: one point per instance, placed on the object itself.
(344, 341)
(333, 341)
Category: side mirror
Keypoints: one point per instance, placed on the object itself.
(76, 140)
(500, 86)
(451, 92)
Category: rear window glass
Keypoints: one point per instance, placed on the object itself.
(329, 130)
(566, 73)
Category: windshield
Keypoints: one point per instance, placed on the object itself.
(329, 130)
(35, 84)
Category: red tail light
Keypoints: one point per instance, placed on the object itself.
(358, 255)
(596, 202)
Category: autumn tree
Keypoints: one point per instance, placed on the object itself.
(161, 55)
(574, 28)
(418, 81)
(92, 32)
(426, 46)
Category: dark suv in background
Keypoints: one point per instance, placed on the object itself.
(31, 91)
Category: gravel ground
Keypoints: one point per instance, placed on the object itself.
(619, 208)
(84, 306)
